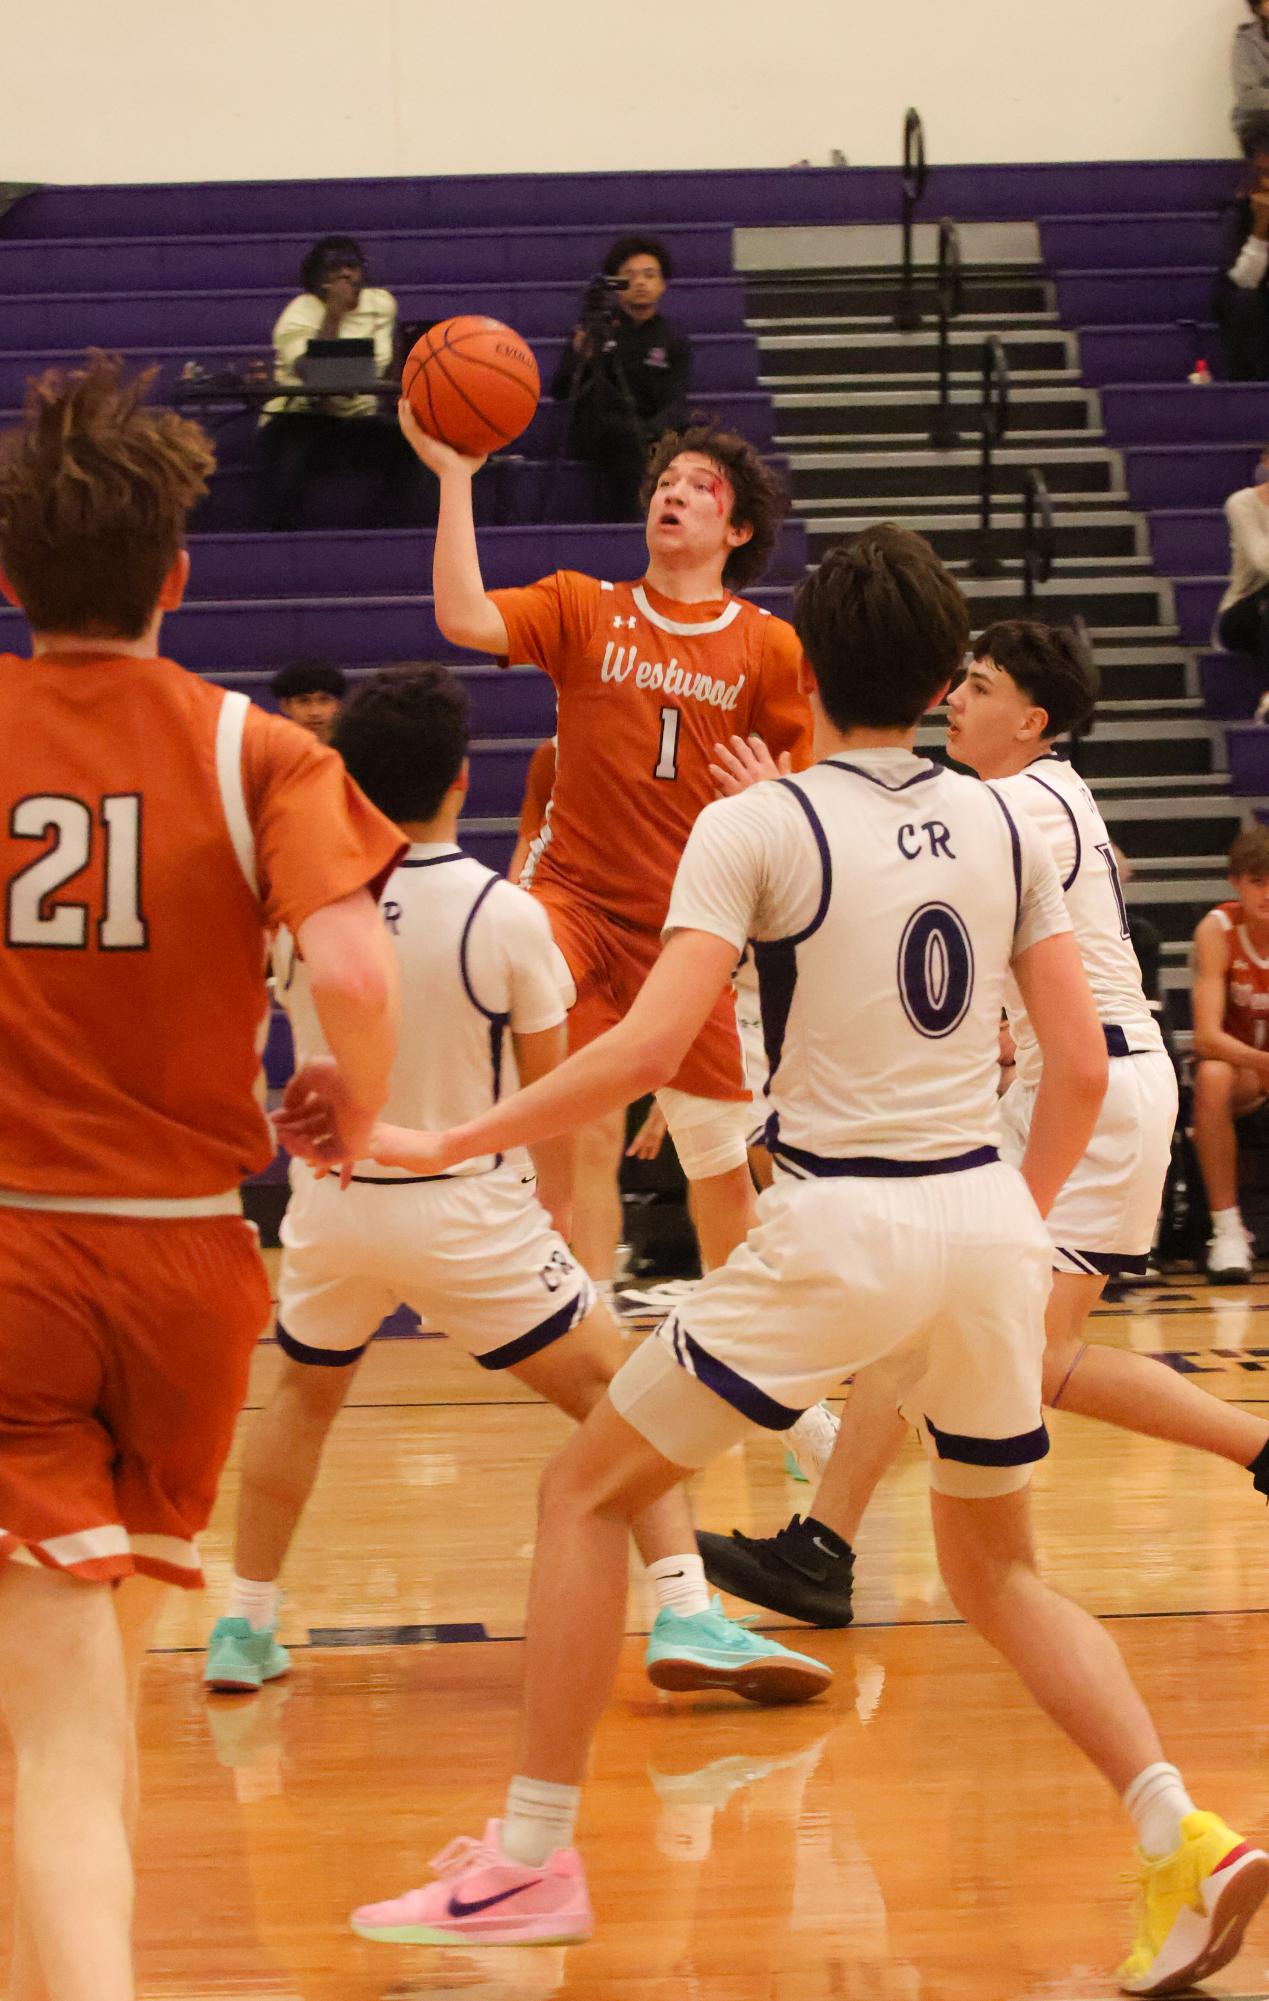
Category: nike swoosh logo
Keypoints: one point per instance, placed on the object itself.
(831, 1554)
(457, 1909)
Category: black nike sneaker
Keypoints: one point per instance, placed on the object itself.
(804, 1571)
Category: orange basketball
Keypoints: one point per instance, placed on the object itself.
(472, 383)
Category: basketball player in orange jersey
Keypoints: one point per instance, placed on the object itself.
(649, 675)
(1231, 1041)
(152, 827)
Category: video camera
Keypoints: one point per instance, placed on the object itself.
(598, 302)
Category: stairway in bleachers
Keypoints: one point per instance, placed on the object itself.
(854, 399)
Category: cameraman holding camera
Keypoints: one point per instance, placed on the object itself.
(625, 374)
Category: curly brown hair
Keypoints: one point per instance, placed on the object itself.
(762, 500)
(94, 495)
(1249, 854)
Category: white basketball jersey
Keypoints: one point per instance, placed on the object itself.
(476, 960)
(886, 898)
(1056, 800)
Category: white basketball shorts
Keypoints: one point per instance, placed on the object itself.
(838, 1272)
(1103, 1222)
(475, 1256)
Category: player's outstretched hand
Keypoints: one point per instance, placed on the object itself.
(745, 761)
(419, 1152)
(438, 458)
(650, 1138)
(319, 1120)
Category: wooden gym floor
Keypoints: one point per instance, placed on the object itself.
(921, 1834)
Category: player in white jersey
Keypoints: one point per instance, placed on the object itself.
(888, 899)
(1027, 685)
(477, 1253)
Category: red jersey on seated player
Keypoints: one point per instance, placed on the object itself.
(1246, 979)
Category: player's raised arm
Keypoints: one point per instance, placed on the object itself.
(465, 614)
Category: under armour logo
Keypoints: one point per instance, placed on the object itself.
(629, 623)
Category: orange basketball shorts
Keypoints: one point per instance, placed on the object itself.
(124, 1352)
(609, 963)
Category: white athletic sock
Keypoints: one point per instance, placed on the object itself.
(1158, 1802)
(1227, 1219)
(680, 1584)
(254, 1600)
(539, 1818)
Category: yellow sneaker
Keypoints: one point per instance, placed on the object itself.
(1195, 1906)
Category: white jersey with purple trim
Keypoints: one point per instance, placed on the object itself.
(1055, 799)
(886, 898)
(476, 960)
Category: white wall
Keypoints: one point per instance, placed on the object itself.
(255, 89)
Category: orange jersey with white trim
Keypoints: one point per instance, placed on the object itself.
(646, 687)
(132, 995)
(1246, 980)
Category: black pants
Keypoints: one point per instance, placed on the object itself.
(1244, 325)
(615, 444)
(297, 446)
(1244, 628)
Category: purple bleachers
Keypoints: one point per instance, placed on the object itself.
(1109, 242)
(1145, 353)
(1114, 298)
(1171, 413)
(1192, 475)
(1189, 541)
(238, 263)
(226, 633)
(742, 196)
(398, 562)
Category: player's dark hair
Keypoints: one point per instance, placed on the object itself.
(637, 246)
(1249, 854)
(94, 495)
(308, 677)
(327, 254)
(761, 499)
(1050, 664)
(403, 737)
(884, 627)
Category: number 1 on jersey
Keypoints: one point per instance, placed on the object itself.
(667, 764)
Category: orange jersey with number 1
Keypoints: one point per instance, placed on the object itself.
(647, 686)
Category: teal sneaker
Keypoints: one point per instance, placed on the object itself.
(240, 1658)
(709, 1650)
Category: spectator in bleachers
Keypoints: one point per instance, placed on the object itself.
(1251, 72)
(1240, 299)
(1230, 1003)
(301, 436)
(1242, 619)
(311, 693)
(626, 373)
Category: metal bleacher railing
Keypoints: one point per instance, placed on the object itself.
(1039, 535)
(994, 419)
(907, 315)
(944, 433)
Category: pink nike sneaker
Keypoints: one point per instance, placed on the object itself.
(482, 1897)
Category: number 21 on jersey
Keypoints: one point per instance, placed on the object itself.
(32, 919)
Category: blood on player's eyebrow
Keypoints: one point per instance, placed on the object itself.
(716, 483)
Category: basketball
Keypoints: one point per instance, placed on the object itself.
(472, 383)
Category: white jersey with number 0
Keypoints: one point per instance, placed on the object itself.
(886, 898)
(1053, 796)
(476, 960)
